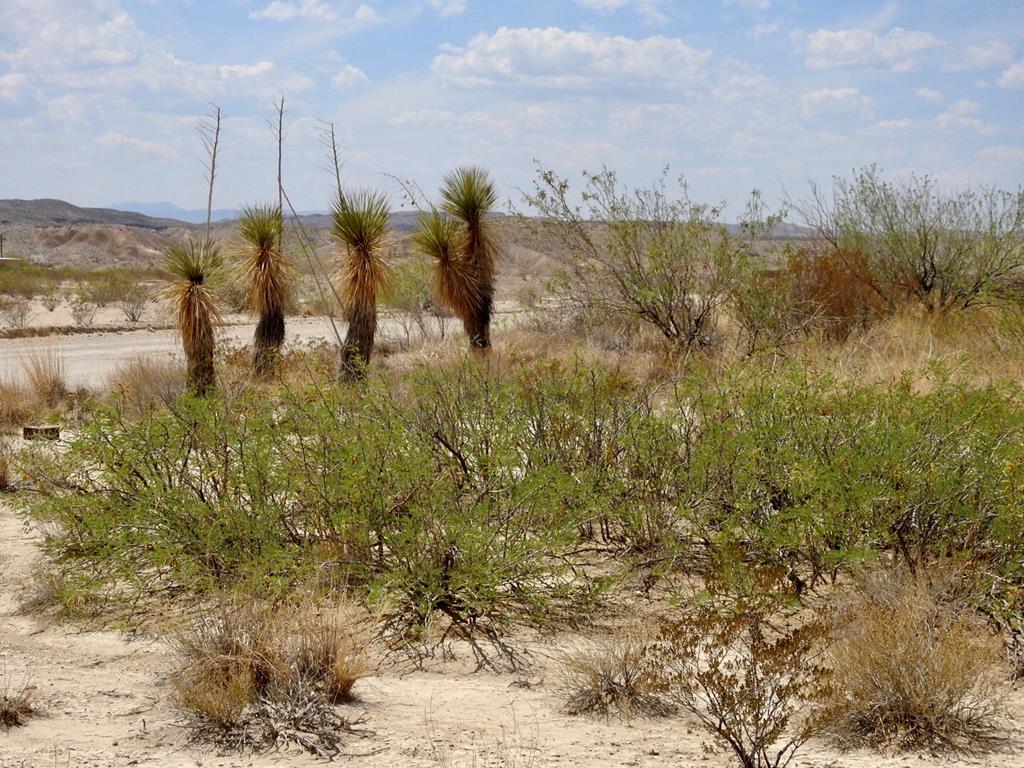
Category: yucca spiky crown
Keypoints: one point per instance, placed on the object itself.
(457, 281)
(263, 269)
(192, 268)
(361, 222)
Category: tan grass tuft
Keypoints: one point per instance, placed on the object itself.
(915, 668)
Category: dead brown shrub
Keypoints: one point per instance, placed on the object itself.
(915, 668)
(746, 672)
(255, 676)
(16, 405)
(15, 704)
(837, 289)
(612, 677)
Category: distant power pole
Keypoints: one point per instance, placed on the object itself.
(1, 245)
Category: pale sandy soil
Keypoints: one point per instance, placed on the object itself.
(106, 702)
(91, 358)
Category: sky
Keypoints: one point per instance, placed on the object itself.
(99, 98)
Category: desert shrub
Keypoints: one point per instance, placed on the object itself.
(144, 384)
(943, 249)
(256, 676)
(837, 291)
(16, 405)
(15, 704)
(748, 681)
(133, 301)
(648, 254)
(447, 527)
(51, 297)
(16, 313)
(83, 312)
(612, 677)
(816, 476)
(44, 370)
(22, 280)
(409, 297)
(915, 668)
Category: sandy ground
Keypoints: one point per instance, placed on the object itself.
(90, 358)
(106, 702)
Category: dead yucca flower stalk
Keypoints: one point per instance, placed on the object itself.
(361, 222)
(194, 305)
(265, 274)
(914, 668)
(469, 196)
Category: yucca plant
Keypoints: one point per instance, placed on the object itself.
(456, 279)
(265, 274)
(469, 195)
(191, 268)
(360, 223)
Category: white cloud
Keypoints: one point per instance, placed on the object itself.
(349, 77)
(836, 104)
(962, 116)
(649, 10)
(928, 94)
(66, 109)
(755, 5)
(554, 58)
(1013, 77)
(13, 86)
(986, 56)
(279, 10)
(896, 50)
(448, 7)
(141, 146)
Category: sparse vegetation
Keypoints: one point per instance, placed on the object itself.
(255, 676)
(916, 668)
(614, 677)
(750, 683)
(864, 414)
(15, 704)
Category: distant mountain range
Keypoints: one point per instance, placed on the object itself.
(163, 216)
(52, 213)
(165, 210)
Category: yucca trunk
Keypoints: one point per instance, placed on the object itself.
(361, 222)
(477, 323)
(267, 342)
(358, 347)
(197, 342)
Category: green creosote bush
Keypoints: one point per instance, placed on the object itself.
(460, 497)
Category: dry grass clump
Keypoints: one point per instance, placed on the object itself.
(145, 383)
(612, 677)
(256, 677)
(15, 405)
(5, 466)
(44, 370)
(15, 705)
(915, 669)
